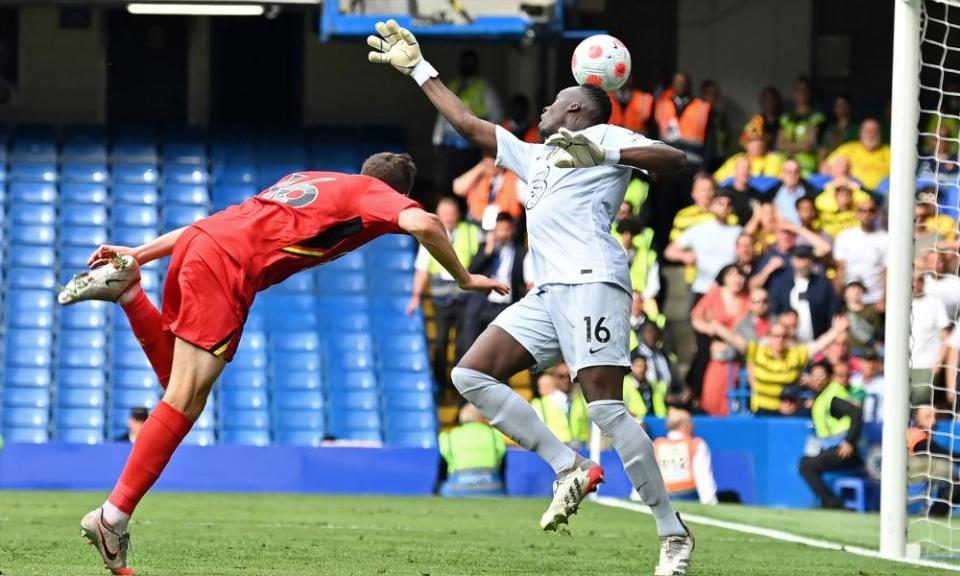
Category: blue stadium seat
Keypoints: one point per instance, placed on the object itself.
(351, 361)
(270, 174)
(299, 341)
(26, 338)
(185, 153)
(34, 150)
(179, 216)
(200, 438)
(234, 173)
(80, 398)
(246, 437)
(134, 173)
(392, 260)
(134, 150)
(82, 340)
(252, 339)
(26, 417)
(402, 420)
(83, 215)
(284, 320)
(81, 378)
(31, 256)
(32, 215)
(348, 322)
(83, 193)
(298, 419)
(402, 343)
(243, 399)
(352, 380)
(349, 262)
(185, 194)
(29, 357)
(134, 235)
(80, 435)
(38, 278)
(243, 380)
(123, 339)
(32, 193)
(347, 423)
(276, 302)
(135, 195)
(80, 151)
(124, 399)
(84, 315)
(29, 300)
(80, 418)
(391, 305)
(207, 419)
(392, 283)
(87, 173)
(395, 400)
(253, 419)
(26, 398)
(406, 381)
(25, 435)
(185, 174)
(764, 184)
(298, 283)
(284, 379)
(32, 173)
(413, 439)
(336, 281)
(87, 236)
(229, 194)
(135, 216)
(295, 361)
(341, 400)
(393, 242)
(250, 360)
(134, 379)
(29, 318)
(395, 324)
(80, 358)
(296, 400)
(27, 377)
(134, 359)
(299, 437)
(339, 303)
(355, 342)
(74, 259)
(409, 362)
(25, 235)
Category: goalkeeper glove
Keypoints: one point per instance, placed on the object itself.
(578, 151)
(398, 47)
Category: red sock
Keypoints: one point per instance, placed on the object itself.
(148, 328)
(158, 439)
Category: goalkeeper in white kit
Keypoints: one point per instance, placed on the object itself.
(580, 309)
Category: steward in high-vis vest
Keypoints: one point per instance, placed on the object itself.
(563, 409)
(683, 120)
(637, 242)
(473, 452)
(685, 461)
(489, 190)
(632, 109)
(837, 422)
(641, 396)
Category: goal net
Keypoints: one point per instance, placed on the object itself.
(932, 490)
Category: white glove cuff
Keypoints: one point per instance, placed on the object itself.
(423, 71)
(611, 156)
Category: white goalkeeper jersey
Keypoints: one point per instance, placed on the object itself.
(570, 210)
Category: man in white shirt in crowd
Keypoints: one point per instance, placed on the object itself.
(941, 280)
(929, 329)
(861, 254)
(685, 460)
(792, 189)
(870, 380)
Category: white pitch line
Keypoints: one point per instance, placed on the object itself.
(779, 535)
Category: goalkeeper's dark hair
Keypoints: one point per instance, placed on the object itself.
(599, 102)
(395, 170)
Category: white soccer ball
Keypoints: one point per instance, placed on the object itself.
(601, 61)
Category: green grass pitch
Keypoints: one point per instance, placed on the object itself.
(289, 535)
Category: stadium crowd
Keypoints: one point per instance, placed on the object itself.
(783, 249)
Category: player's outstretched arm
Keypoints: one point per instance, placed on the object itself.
(398, 47)
(428, 230)
(152, 250)
(578, 151)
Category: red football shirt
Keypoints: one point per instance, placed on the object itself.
(304, 220)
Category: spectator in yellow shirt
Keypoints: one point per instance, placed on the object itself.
(836, 208)
(869, 156)
(762, 162)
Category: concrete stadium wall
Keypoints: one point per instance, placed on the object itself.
(745, 45)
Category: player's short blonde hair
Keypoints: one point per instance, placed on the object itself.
(395, 170)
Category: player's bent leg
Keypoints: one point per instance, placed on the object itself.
(147, 325)
(193, 374)
(603, 388)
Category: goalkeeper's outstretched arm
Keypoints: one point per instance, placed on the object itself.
(398, 47)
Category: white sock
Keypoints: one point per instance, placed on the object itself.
(128, 295)
(115, 517)
(636, 451)
(509, 413)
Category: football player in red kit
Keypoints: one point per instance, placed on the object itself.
(218, 265)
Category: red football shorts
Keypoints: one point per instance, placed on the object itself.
(206, 296)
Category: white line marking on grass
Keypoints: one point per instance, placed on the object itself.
(778, 535)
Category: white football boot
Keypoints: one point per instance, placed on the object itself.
(111, 545)
(107, 282)
(569, 490)
(675, 553)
